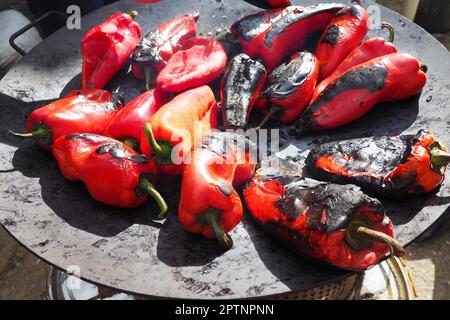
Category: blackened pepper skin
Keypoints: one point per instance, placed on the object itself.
(322, 221)
(290, 87)
(393, 167)
(393, 77)
(240, 88)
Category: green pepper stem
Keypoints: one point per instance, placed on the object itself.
(147, 186)
(273, 109)
(211, 218)
(391, 30)
(131, 143)
(423, 67)
(148, 72)
(134, 14)
(151, 138)
(395, 247)
(35, 134)
(440, 157)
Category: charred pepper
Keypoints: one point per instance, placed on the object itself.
(343, 34)
(289, 33)
(87, 110)
(172, 130)
(113, 173)
(157, 46)
(393, 77)
(328, 223)
(368, 50)
(289, 88)
(128, 123)
(201, 61)
(107, 47)
(209, 203)
(401, 166)
(240, 88)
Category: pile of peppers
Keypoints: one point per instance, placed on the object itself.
(117, 150)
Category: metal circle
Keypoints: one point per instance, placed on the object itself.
(126, 249)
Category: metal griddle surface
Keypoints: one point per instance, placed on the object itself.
(126, 249)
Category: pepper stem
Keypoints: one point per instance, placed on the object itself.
(40, 132)
(147, 186)
(439, 158)
(148, 72)
(273, 110)
(151, 138)
(131, 143)
(211, 218)
(391, 30)
(395, 248)
(423, 67)
(133, 14)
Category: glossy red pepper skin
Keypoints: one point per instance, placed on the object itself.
(368, 50)
(87, 110)
(174, 127)
(393, 77)
(113, 174)
(240, 88)
(250, 28)
(209, 204)
(129, 121)
(107, 47)
(342, 35)
(290, 86)
(201, 61)
(278, 3)
(275, 44)
(157, 46)
(394, 167)
(316, 219)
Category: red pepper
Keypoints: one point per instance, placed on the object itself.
(209, 203)
(157, 46)
(329, 223)
(368, 50)
(172, 129)
(393, 77)
(240, 88)
(275, 43)
(250, 28)
(107, 47)
(201, 61)
(127, 125)
(392, 167)
(88, 110)
(289, 88)
(343, 34)
(278, 3)
(113, 173)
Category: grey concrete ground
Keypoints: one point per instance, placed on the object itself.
(23, 276)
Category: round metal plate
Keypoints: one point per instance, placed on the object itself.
(126, 249)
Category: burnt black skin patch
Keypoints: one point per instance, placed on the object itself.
(328, 206)
(375, 155)
(288, 77)
(112, 147)
(370, 77)
(250, 26)
(331, 36)
(353, 11)
(299, 15)
(242, 79)
(147, 51)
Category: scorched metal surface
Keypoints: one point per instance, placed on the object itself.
(126, 249)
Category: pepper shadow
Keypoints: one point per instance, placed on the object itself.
(71, 200)
(177, 247)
